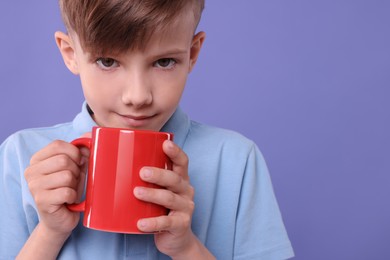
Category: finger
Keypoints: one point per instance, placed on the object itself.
(165, 178)
(165, 198)
(178, 157)
(56, 163)
(56, 148)
(54, 181)
(49, 199)
(85, 151)
(170, 223)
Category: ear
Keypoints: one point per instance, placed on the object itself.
(67, 49)
(196, 45)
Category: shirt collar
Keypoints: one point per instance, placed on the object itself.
(178, 124)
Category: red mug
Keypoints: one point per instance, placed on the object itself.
(116, 157)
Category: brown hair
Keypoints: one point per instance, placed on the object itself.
(114, 26)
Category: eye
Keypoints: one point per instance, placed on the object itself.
(107, 63)
(165, 63)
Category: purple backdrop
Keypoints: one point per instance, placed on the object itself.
(309, 81)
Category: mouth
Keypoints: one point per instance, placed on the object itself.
(136, 121)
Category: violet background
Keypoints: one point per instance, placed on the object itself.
(308, 81)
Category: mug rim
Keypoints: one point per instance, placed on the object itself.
(145, 131)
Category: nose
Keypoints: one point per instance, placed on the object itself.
(137, 90)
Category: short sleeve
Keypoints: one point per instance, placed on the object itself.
(260, 232)
(13, 224)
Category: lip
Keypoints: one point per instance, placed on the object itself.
(136, 120)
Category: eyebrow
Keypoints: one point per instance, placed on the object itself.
(170, 52)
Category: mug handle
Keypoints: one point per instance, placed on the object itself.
(80, 142)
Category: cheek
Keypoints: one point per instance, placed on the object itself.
(173, 95)
(96, 86)
(169, 85)
(88, 79)
(177, 83)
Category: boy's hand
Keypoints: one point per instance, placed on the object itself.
(56, 176)
(175, 237)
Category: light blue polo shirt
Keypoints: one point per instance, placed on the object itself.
(236, 214)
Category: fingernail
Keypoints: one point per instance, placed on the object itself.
(170, 145)
(139, 191)
(146, 173)
(142, 223)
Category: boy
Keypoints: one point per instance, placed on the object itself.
(133, 58)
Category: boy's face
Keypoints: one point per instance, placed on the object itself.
(136, 89)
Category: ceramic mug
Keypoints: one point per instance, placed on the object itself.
(116, 158)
